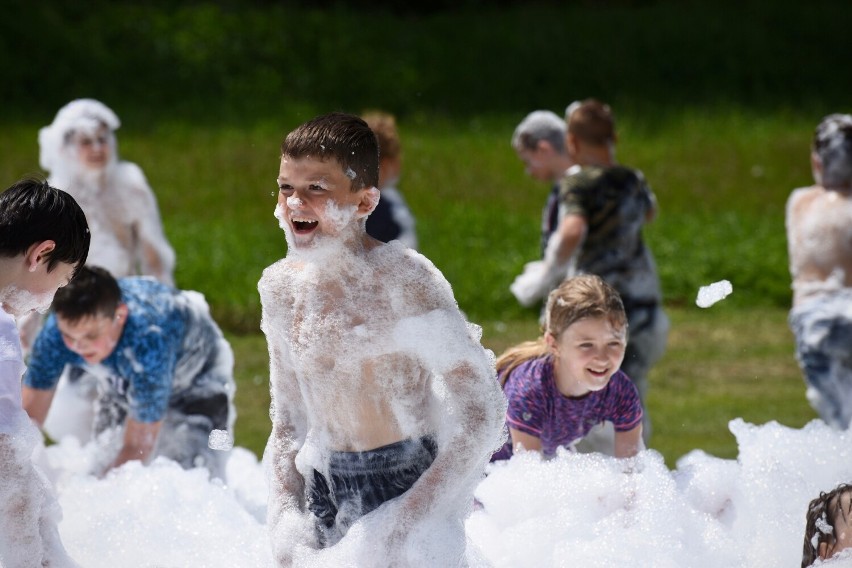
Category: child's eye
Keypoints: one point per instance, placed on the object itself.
(285, 189)
(316, 188)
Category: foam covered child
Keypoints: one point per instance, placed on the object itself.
(385, 408)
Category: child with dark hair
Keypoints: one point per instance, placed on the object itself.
(165, 371)
(819, 241)
(44, 239)
(391, 219)
(828, 525)
(384, 404)
(568, 382)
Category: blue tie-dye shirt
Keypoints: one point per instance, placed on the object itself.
(142, 365)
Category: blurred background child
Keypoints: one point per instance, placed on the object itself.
(392, 219)
(819, 241)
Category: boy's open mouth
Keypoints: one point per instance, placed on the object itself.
(303, 226)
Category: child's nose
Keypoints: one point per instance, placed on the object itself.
(294, 202)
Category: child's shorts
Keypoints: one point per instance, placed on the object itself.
(361, 481)
(823, 331)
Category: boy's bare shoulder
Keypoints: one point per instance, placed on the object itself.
(401, 267)
(276, 279)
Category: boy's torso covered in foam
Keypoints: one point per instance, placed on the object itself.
(347, 324)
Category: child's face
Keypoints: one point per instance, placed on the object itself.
(315, 199)
(36, 290)
(93, 150)
(538, 161)
(588, 353)
(94, 337)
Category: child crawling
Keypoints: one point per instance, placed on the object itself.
(385, 408)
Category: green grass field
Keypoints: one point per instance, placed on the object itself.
(478, 221)
(716, 102)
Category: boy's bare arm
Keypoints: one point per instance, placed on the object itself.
(36, 403)
(140, 438)
(469, 430)
(569, 236)
(286, 515)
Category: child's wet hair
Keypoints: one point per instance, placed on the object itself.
(591, 121)
(819, 521)
(32, 211)
(92, 292)
(833, 144)
(342, 137)
(581, 297)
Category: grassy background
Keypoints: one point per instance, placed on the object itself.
(716, 103)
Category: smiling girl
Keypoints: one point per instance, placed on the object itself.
(568, 382)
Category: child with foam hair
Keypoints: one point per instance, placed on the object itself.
(391, 219)
(828, 525)
(539, 142)
(44, 238)
(603, 207)
(568, 382)
(819, 242)
(80, 152)
(384, 405)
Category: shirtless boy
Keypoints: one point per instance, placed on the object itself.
(819, 240)
(385, 407)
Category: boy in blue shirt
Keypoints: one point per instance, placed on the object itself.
(165, 371)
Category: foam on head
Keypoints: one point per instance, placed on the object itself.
(537, 126)
(833, 145)
(85, 116)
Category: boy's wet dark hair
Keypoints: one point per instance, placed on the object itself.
(92, 292)
(591, 121)
(822, 513)
(343, 137)
(31, 211)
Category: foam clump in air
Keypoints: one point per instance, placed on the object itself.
(715, 292)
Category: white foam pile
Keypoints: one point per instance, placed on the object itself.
(576, 510)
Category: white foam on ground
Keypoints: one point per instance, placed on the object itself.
(577, 509)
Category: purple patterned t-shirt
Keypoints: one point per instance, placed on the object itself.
(537, 408)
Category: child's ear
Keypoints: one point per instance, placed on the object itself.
(551, 342)
(37, 252)
(369, 200)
